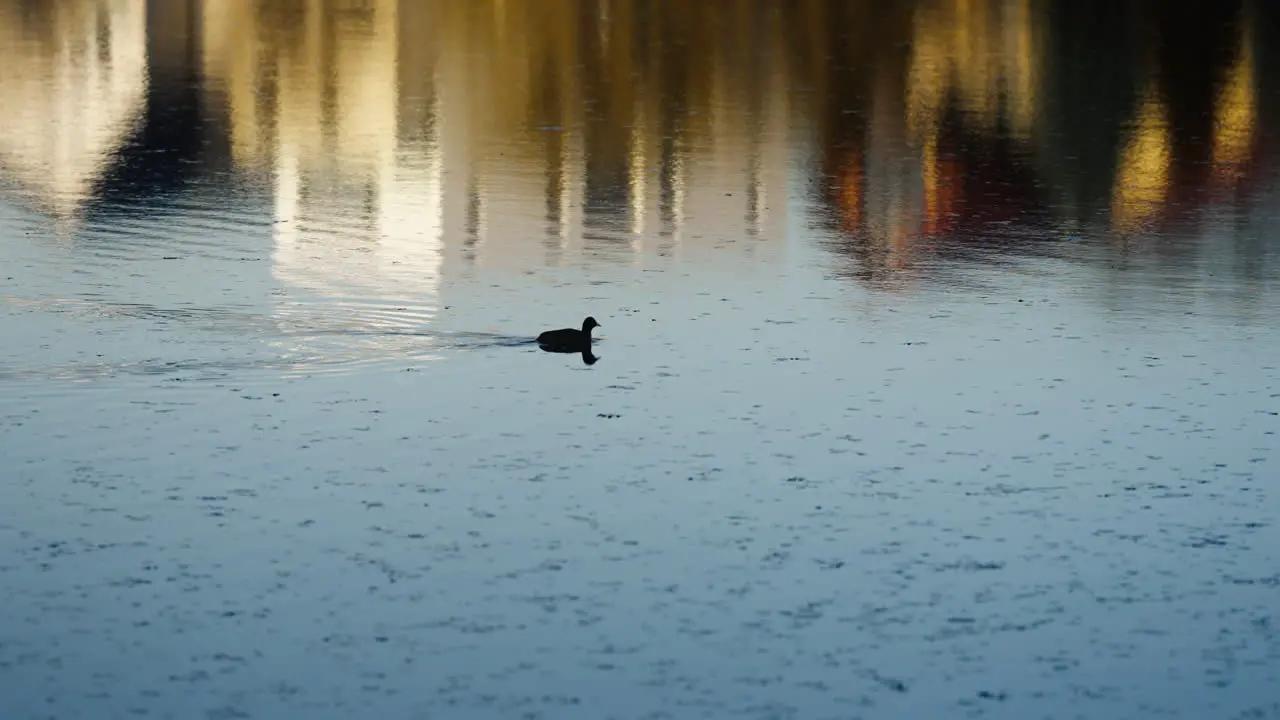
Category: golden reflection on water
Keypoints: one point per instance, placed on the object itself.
(1142, 180)
(983, 54)
(1236, 115)
(72, 83)
(313, 95)
(405, 137)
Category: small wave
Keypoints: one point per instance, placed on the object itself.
(293, 339)
(347, 357)
(446, 338)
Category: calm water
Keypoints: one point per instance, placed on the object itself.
(939, 368)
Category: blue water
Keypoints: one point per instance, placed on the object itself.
(937, 371)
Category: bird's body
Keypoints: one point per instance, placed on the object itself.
(569, 339)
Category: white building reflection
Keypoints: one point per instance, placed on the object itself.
(72, 87)
(409, 139)
(313, 99)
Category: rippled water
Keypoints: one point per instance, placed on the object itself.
(937, 374)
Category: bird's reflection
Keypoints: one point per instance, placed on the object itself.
(588, 358)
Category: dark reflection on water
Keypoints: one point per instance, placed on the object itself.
(588, 357)
(1003, 128)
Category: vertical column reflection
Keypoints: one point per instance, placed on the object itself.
(72, 87)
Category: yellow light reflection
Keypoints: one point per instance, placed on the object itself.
(980, 58)
(982, 53)
(1143, 176)
(638, 166)
(1235, 114)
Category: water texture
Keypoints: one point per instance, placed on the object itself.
(938, 373)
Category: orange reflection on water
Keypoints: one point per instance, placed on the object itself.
(943, 185)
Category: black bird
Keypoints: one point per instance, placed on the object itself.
(568, 339)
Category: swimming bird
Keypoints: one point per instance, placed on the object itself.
(568, 339)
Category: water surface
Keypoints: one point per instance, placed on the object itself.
(937, 371)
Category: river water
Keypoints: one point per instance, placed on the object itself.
(938, 373)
